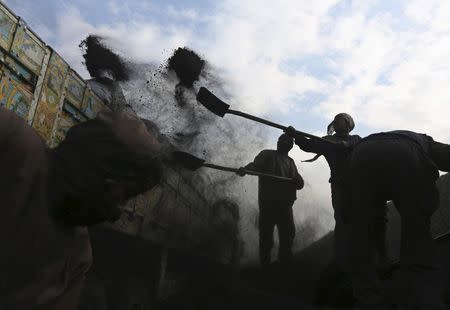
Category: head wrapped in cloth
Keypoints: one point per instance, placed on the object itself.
(341, 117)
(115, 148)
(344, 122)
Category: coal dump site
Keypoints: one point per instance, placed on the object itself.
(156, 182)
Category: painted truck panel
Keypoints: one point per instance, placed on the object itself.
(69, 117)
(51, 98)
(28, 49)
(91, 104)
(14, 94)
(75, 89)
(7, 27)
(22, 72)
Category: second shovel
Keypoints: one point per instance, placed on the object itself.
(193, 163)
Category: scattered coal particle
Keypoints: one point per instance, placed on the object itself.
(185, 137)
(179, 95)
(187, 65)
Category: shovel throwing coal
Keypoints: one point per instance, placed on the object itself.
(220, 108)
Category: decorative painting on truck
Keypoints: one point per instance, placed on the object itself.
(91, 104)
(28, 49)
(7, 27)
(13, 95)
(68, 118)
(51, 96)
(22, 72)
(75, 89)
(2, 57)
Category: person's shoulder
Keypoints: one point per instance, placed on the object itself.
(267, 151)
(355, 138)
(332, 138)
(15, 132)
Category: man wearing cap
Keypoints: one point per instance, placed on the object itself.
(49, 196)
(401, 166)
(275, 199)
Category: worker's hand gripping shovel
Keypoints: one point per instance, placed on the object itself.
(220, 108)
(193, 163)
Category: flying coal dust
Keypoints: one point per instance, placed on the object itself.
(165, 95)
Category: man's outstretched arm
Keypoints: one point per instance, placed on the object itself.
(258, 164)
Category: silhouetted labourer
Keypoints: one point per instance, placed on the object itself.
(337, 155)
(401, 166)
(49, 196)
(276, 198)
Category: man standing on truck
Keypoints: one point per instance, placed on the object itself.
(275, 199)
(337, 154)
(49, 196)
(338, 160)
(401, 166)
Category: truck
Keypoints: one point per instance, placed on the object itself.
(142, 257)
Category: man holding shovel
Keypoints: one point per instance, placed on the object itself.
(337, 155)
(275, 198)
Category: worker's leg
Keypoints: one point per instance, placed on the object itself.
(340, 198)
(379, 230)
(422, 276)
(367, 192)
(363, 256)
(266, 227)
(286, 234)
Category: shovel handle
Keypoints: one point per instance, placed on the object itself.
(260, 174)
(250, 172)
(272, 124)
(217, 167)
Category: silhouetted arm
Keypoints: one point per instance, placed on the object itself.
(259, 163)
(298, 180)
(440, 154)
(316, 146)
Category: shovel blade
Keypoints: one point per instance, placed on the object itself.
(187, 160)
(211, 102)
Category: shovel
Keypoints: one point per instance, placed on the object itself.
(220, 108)
(193, 163)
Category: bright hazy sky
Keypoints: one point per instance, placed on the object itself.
(387, 63)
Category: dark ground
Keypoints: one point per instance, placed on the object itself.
(221, 288)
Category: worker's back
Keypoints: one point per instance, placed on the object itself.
(270, 189)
